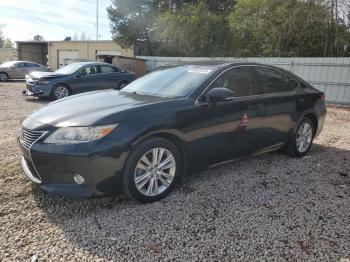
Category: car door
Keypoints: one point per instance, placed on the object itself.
(109, 77)
(228, 129)
(30, 67)
(85, 79)
(19, 70)
(279, 94)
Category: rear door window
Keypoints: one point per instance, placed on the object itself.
(20, 65)
(108, 69)
(274, 81)
(241, 80)
(30, 65)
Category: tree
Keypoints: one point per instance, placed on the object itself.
(38, 38)
(131, 21)
(233, 27)
(195, 30)
(5, 42)
(280, 28)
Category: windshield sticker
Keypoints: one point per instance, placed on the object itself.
(199, 70)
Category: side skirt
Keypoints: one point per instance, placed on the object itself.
(257, 153)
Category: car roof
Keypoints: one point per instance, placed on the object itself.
(20, 61)
(92, 63)
(212, 63)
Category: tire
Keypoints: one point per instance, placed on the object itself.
(148, 184)
(60, 91)
(121, 85)
(300, 145)
(3, 77)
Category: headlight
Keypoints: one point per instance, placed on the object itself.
(75, 135)
(43, 82)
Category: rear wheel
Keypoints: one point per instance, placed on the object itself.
(121, 85)
(60, 91)
(3, 77)
(152, 170)
(302, 140)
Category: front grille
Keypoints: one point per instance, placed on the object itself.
(28, 137)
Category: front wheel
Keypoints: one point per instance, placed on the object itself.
(3, 77)
(121, 85)
(302, 140)
(152, 170)
(60, 91)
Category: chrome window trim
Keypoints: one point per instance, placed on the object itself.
(239, 97)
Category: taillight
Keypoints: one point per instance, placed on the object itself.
(323, 96)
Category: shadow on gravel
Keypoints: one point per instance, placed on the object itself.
(99, 224)
(16, 81)
(38, 100)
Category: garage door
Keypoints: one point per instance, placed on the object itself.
(64, 56)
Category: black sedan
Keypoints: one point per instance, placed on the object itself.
(77, 78)
(143, 138)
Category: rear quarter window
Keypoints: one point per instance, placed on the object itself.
(108, 69)
(275, 81)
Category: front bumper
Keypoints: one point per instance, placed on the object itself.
(54, 172)
(38, 90)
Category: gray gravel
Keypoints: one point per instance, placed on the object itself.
(270, 207)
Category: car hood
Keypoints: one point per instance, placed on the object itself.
(89, 108)
(39, 75)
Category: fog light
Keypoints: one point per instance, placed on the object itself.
(79, 179)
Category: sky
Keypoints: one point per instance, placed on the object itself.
(20, 20)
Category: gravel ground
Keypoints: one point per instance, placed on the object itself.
(271, 207)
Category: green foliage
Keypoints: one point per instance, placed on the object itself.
(232, 27)
(131, 21)
(279, 28)
(193, 30)
(5, 42)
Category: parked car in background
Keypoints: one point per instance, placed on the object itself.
(142, 138)
(18, 69)
(77, 78)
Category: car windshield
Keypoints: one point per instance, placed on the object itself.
(8, 64)
(69, 69)
(177, 81)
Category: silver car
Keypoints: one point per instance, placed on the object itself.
(18, 69)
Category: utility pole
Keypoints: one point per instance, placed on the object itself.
(96, 19)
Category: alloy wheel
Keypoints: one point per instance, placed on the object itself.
(122, 85)
(61, 92)
(304, 137)
(3, 77)
(155, 171)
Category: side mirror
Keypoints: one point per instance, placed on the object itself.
(12, 67)
(219, 94)
(79, 75)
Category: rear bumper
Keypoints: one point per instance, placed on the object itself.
(321, 118)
